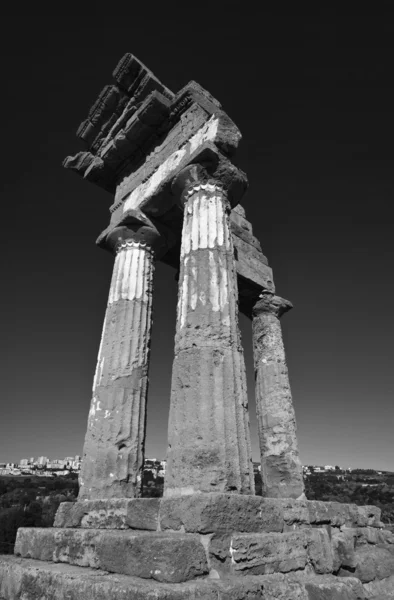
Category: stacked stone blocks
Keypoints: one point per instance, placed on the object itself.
(207, 541)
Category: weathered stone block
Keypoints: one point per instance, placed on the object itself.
(295, 513)
(254, 269)
(257, 554)
(164, 557)
(319, 550)
(143, 513)
(248, 245)
(207, 513)
(319, 512)
(33, 580)
(338, 514)
(368, 535)
(238, 217)
(382, 589)
(327, 587)
(386, 536)
(342, 514)
(219, 552)
(373, 562)
(35, 542)
(368, 516)
(116, 513)
(342, 543)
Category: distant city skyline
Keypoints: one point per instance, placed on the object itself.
(77, 458)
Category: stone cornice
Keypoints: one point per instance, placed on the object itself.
(134, 118)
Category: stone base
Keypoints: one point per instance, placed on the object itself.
(194, 546)
(214, 513)
(170, 557)
(24, 579)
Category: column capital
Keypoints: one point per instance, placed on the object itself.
(222, 178)
(136, 229)
(269, 303)
(192, 179)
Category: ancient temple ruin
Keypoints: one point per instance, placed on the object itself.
(167, 159)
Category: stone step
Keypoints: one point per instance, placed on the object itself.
(177, 557)
(265, 553)
(214, 513)
(27, 579)
(168, 557)
(116, 513)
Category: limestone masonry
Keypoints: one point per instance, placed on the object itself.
(167, 159)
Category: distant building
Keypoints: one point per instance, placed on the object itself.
(24, 462)
(56, 465)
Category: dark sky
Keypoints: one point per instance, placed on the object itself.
(313, 96)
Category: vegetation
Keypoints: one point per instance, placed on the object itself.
(361, 486)
(31, 502)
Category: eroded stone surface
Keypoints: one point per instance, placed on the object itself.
(319, 550)
(164, 557)
(207, 513)
(281, 469)
(327, 587)
(373, 535)
(368, 516)
(217, 512)
(35, 542)
(373, 562)
(380, 589)
(116, 513)
(35, 580)
(295, 513)
(343, 548)
(259, 554)
(208, 441)
(338, 514)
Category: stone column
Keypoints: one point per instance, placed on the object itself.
(281, 469)
(114, 443)
(208, 439)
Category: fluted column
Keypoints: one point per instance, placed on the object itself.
(114, 443)
(281, 469)
(208, 439)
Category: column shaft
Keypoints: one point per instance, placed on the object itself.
(114, 443)
(281, 469)
(209, 444)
